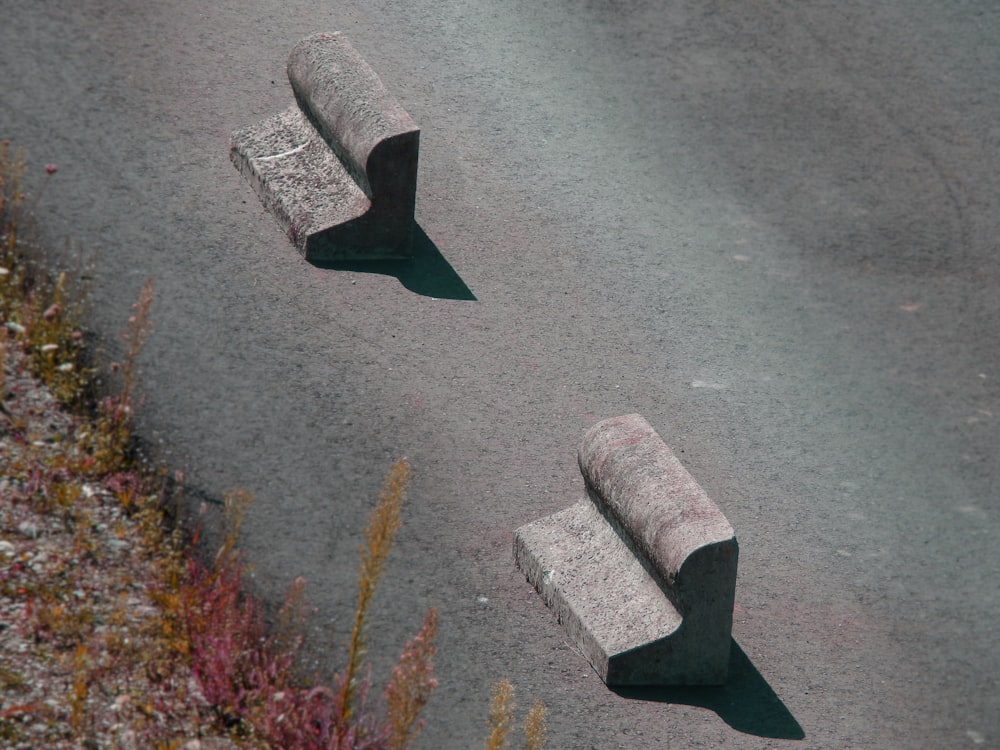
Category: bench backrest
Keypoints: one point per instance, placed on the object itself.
(662, 513)
(372, 135)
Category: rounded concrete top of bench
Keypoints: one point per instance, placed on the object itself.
(649, 494)
(346, 101)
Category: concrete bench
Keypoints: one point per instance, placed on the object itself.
(642, 572)
(339, 170)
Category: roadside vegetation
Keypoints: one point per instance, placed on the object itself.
(502, 716)
(114, 632)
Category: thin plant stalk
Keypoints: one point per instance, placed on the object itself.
(411, 686)
(380, 533)
(534, 727)
(501, 715)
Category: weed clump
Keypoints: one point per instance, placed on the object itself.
(39, 312)
(167, 645)
(246, 674)
(110, 443)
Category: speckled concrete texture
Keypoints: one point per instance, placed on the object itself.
(770, 228)
(642, 572)
(339, 172)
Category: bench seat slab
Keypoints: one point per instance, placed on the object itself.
(603, 596)
(297, 176)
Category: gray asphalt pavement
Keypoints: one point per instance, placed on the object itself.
(768, 227)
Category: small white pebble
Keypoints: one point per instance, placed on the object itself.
(6, 548)
(66, 367)
(710, 385)
(28, 529)
(976, 737)
(50, 347)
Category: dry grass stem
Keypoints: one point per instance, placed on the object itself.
(501, 720)
(411, 685)
(534, 727)
(380, 533)
(235, 505)
(501, 715)
(116, 635)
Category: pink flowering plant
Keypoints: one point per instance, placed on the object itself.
(247, 675)
(124, 636)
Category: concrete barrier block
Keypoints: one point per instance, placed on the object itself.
(339, 169)
(641, 572)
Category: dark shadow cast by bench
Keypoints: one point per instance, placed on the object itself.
(426, 272)
(746, 702)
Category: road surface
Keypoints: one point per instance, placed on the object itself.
(768, 227)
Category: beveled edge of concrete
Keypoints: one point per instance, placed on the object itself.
(642, 572)
(339, 171)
